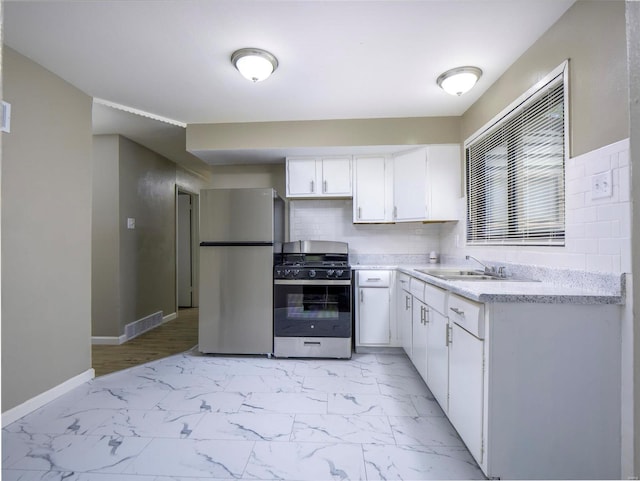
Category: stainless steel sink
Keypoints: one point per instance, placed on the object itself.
(470, 275)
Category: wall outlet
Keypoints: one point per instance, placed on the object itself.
(601, 185)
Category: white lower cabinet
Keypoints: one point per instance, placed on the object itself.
(533, 389)
(373, 309)
(466, 389)
(438, 357)
(419, 350)
(404, 303)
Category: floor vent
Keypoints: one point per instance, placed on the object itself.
(134, 329)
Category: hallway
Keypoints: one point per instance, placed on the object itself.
(173, 337)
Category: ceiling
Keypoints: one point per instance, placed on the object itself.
(338, 59)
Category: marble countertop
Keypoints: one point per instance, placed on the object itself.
(585, 288)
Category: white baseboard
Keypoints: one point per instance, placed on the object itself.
(135, 328)
(112, 340)
(40, 400)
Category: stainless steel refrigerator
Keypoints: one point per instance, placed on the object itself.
(241, 230)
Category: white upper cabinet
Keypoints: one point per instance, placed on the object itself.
(336, 176)
(420, 185)
(319, 177)
(444, 181)
(371, 190)
(410, 186)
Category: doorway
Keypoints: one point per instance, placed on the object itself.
(186, 248)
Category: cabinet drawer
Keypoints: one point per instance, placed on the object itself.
(373, 278)
(467, 314)
(416, 287)
(403, 281)
(436, 298)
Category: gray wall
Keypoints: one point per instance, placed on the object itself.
(134, 270)
(633, 40)
(591, 34)
(148, 252)
(105, 237)
(46, 232)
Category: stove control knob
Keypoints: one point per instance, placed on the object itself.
(296, 272)
(287, 272)
(330, 272)
(312, 273)
(339, 272)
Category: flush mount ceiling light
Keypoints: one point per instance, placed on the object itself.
(254, 64)
(458, 81)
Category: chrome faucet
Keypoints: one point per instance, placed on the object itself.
(490, 270)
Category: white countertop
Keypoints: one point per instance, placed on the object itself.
(544, 291)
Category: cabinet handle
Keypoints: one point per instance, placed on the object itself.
(395, 212)
(457, 311)
(313, 186)
(373, 278)
(426, 315)
(359, 212)
(448, 336)
(361, 296)
(407, 302)
(324, 186)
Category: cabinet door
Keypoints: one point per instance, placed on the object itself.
(336, 176)
(301, 177)
(373, 315)
(410, 186)
(369, 190)
(419, 350)
(466, 388)
(438, 357)
(406, 324)
(444, 181)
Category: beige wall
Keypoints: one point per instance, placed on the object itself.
(324, 133)
(46, 232)
(258, 176)
(591, 34)
(134, 270)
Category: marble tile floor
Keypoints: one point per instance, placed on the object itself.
(193, 417)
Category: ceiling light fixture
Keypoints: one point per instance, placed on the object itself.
(458, 81)
(254, 64)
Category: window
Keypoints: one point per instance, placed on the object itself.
(515, 171)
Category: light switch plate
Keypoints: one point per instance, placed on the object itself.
(131, 223)
(601, 185)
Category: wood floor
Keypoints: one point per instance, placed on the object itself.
(173, 337)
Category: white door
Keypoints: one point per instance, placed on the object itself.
(419, 350)
(406, 325)
(466, 388)
(185, 274)
(410, 185)
(373, 315)
(369, 195)
(301, 177)
(336, 176)
(438, 357)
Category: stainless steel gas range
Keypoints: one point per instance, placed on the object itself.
(312, 300)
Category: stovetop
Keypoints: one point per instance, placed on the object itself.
(312, 269)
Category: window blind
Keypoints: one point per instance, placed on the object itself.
(515, 174)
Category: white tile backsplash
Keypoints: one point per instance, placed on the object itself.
(329, 219)
(598, 231)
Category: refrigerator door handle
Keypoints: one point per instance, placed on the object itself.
(235, 244)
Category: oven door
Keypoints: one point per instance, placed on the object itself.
(312, 308)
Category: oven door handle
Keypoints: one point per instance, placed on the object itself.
(321, 282)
